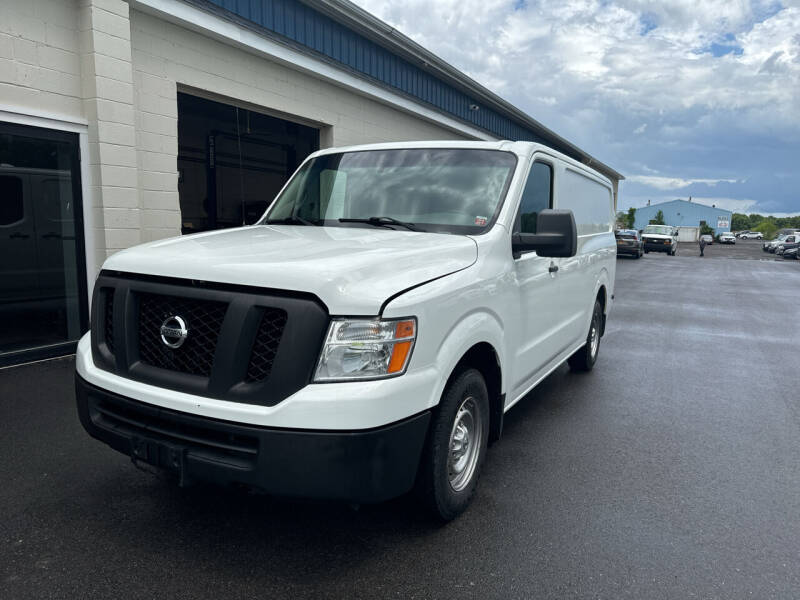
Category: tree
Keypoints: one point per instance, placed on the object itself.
(659, 218)
(768, 228)
(739, 222)
(706, 229)
(630, 218)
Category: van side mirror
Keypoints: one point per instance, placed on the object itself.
(556, 235)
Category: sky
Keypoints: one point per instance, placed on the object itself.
(695, 98)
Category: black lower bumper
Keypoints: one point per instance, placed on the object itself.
(357, 466)
(658, 247)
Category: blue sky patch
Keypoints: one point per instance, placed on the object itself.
(648, 22)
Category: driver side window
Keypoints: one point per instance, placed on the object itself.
(537, 196)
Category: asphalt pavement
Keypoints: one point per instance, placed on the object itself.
(742, 249)
(670, 471)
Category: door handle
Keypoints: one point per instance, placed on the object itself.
(19, 236)
(51, 235)
(553, 268)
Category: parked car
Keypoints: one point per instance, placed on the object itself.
(789, 240)
(707, 238)
(769, 245)
(751, 235)
(727, 238)
(629, 242)
(367, 334)
(660, 238)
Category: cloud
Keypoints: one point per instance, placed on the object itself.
(673, 183)
(639, 82)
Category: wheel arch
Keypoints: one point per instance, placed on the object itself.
(484, 358)
(601, 294)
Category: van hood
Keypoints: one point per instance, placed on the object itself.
(657, 236)
(353, 270)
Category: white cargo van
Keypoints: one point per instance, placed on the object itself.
(367, 335)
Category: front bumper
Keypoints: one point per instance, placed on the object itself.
(355, 466)
(657, 247)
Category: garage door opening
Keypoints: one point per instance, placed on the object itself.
(233, 161)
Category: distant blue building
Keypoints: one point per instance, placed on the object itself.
(683, 213)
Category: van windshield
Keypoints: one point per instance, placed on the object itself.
(443, 190)
(658, 229)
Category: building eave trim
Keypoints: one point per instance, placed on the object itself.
(196, 19)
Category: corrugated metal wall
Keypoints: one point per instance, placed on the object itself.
(680, 213)
(305, 26)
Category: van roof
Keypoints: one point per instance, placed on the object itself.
(521, 149)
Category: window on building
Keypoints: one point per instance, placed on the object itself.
(43, 297)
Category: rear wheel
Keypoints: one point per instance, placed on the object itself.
(586, 356)
(456, 447)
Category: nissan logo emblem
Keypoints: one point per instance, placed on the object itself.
(174, 332)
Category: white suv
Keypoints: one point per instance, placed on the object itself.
(367, 335)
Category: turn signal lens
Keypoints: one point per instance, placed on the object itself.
(366, 349)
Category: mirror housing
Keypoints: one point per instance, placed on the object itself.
(556, 235)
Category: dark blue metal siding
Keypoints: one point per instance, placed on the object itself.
(314, 30)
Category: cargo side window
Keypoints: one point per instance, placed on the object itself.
(12, 208)
(537, 196)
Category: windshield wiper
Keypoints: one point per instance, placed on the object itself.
(293, 220)
(382, 222)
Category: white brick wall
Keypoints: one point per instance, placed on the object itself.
(39, 57)
(107, 89)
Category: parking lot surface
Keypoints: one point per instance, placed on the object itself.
(742, 249)
(670, 471)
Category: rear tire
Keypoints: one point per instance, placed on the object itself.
(456, 447)
(586, 356)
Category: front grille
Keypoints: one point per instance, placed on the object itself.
(130, 420)
(108, 314)
(203, 321)
(271, 338)
(265, 346)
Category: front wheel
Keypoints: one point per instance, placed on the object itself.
(456, 447)
(586, 356)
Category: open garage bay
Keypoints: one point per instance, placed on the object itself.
(672, 470)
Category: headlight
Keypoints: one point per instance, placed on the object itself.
(366, 349)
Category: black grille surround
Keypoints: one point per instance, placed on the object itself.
(108, 321)
(244, 344)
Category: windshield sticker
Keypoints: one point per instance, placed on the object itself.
(480, 221)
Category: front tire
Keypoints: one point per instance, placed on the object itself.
(456, 447)
(586, 356)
